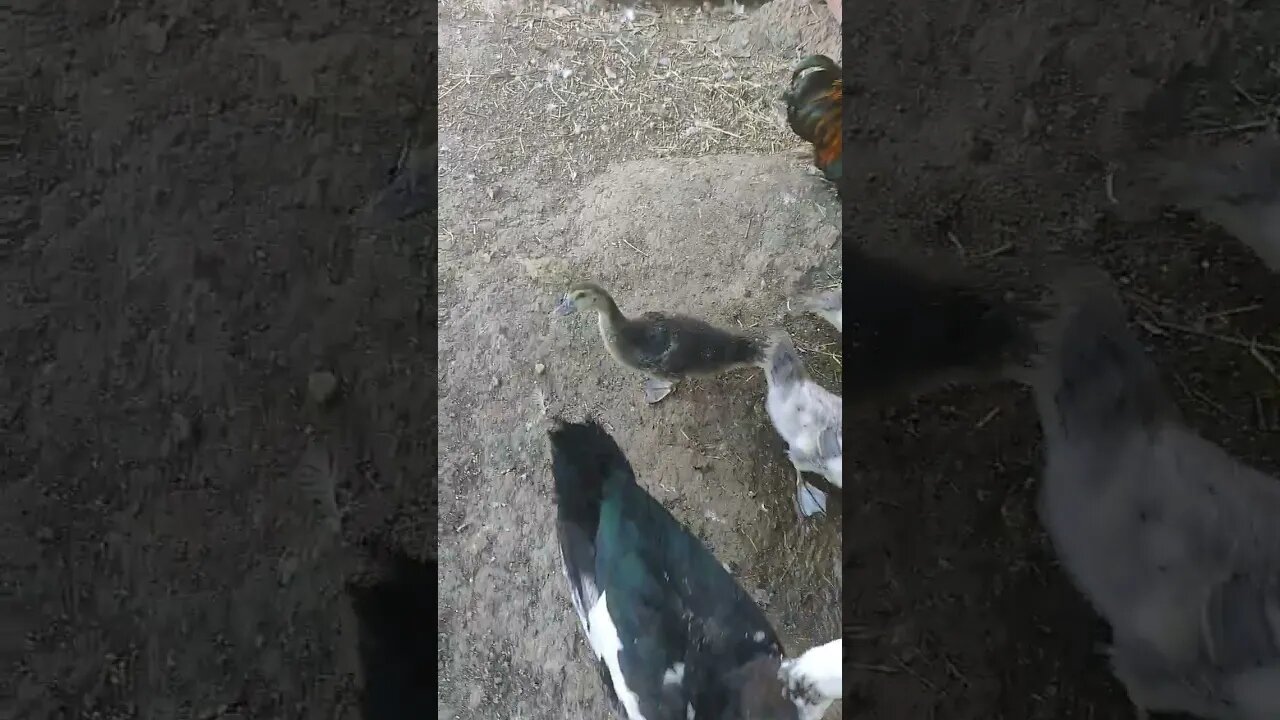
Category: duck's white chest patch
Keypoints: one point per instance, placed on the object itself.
(674, 674)
(603, 636)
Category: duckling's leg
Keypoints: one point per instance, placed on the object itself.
(809, 499)
(655, 390)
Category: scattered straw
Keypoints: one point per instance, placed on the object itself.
(1238, 342)
(579, 89)
(1265, 362)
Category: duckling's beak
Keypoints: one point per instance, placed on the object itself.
(566, 307)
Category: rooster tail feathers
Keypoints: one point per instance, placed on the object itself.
(815, 101)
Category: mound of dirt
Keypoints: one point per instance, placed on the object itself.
(786, 26)
(673, 221)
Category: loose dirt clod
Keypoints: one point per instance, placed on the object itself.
(321, 387)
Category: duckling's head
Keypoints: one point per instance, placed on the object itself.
(584, 296)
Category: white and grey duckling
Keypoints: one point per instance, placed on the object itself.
(1234, 185)
(672, 634)
(809, 418)
(1175, 543)
(826, 304)
(667, 348)
(912, 328)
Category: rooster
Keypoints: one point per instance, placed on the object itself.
(815, 101)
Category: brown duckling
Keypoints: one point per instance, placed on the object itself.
(665, 347)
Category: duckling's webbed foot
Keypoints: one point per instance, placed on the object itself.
(656, 390)
(810, 500)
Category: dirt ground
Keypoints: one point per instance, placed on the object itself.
(647, 154)
(177, 512)
(184, 261)
(994, 126)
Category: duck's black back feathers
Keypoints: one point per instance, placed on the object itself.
(395, 646)
(675, 346)
(671, 602)
(906, 328)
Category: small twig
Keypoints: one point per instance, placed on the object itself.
(998, 250)
(1238, 342)
(450, 89)
(1109, 185)
(923, 680)
(1261, 411)
(876, 668)
(1232, 311)
(955, 671)
(1149, 327)
(1200, 396)
(633, 247)
(709, 126)
(1242, 127)
(1265, 362)
(1245, 94)
(988, 417)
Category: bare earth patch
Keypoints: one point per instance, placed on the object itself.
(648, 153)
(989, 129)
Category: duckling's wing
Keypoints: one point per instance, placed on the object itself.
(1242, 622)
(830, 442)
(1226, 513)
(646, 341)
(682, 345)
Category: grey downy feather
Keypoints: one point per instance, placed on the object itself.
(1236, 187)
(1173, 541)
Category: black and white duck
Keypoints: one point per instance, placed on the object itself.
(665, 347)
(673, 634)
